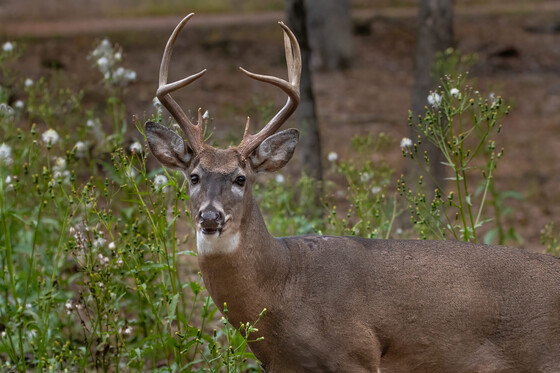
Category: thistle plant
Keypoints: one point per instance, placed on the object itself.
(462, 124)
(106, 57)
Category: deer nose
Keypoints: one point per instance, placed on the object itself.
(210, 220)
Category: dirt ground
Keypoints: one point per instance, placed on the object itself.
(518, 49)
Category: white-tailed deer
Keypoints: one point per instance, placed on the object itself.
(347, 304)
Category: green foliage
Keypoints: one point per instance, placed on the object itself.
(97, 270)
(289, 207)
(371, 212)
(550, 238)
(462, 124)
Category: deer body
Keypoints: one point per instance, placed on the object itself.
(342, 304)
(346, 304)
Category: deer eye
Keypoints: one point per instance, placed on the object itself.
(195, 179)
(240, 180)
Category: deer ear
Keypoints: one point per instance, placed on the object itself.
(274, 152)
(167, 146)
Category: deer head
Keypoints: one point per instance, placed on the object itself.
(221, 179)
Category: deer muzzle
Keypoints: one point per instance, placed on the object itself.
(210, 220)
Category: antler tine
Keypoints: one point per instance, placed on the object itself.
(290, 87)
(193, 132)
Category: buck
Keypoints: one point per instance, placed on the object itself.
(347, 304)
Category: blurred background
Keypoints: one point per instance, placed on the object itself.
(367, 64)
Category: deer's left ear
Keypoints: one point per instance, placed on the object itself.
(274, 152)
(167, 146)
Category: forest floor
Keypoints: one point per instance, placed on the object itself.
(518, 50)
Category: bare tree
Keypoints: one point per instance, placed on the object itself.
(435, 34)
(306, 114)
(330, 33)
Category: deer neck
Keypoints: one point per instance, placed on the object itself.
(242, 276)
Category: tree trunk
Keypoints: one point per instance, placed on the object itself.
(306, 114)
(435, 34)
(329, 24)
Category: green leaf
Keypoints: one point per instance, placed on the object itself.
(490, 236)
(186, 252)
(173, 307)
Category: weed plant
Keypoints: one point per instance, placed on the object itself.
(96, 274)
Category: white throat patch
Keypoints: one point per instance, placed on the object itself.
(216, 243)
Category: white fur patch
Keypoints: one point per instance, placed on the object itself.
(216, 243)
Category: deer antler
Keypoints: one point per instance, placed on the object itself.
(291, 87)
(193, 132)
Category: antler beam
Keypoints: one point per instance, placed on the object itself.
(192, 132)
(290, 87)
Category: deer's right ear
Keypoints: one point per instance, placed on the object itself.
(167, 146)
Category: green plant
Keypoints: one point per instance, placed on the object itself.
(550, 239)
(92, 274)
(461, 123)
(371, 212)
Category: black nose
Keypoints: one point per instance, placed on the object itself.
(210, 220)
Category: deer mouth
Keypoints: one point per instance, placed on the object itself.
(211, 228)
(214, 226)
(210, 231)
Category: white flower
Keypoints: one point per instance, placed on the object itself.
(406, 142)
(434, 99)
(280, 178)
(375, 189)
(63, 175)
(112, 246)
(130, 75)
(69, 305)
(6, 109)
(118, 56)
(454, 92)
(3, 334)
(156, 102)
(102, 62)
(206, 115)
(332, 157)
(492, 98)
(130, 172)
(59, 164)
(90, 123)
(399, 231)
(127, 330)
(8, 46)
(136, 147)
(19, 104)
(98, 242)
(365, 177)
(28, 82)
(50, 136)
(119, 72)
(103, 259)
(105, 43)
(8, 179)
(5, 154)
(81, 148)
(160, 181)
